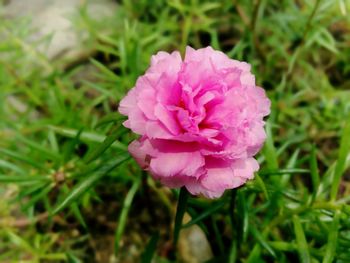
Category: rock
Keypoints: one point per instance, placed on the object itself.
(193, 245)
(53, 19)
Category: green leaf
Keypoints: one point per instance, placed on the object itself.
(86, 136)
(180, 212)
(262, 185)
(150, 249)
(284, 171)
(18, 241)
(36, 197)
(99, 88)
(243, 214)
(233, 252)
(11, 166)
(78, 215)
(315, 176)
(290, 165)
(88, 182)
(21, 158)
(192, 212)
(218, 235)
(211, 210)
(30, 190)
(326, 40)
(40, 148)
(72, 259)
(108, 141)
(69, 148)
(283, 246)
(110, 74)
(22, 178)
(342, 156)
(124, 213)
(332, 239)
(269, 149)
(303, 248)
(112, 117)
(259, 237)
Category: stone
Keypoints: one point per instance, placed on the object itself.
(53, 19)
(193, 244)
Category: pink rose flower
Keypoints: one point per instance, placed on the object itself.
(200, 121)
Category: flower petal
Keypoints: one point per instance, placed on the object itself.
(172, 164)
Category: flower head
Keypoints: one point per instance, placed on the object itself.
(200, 121)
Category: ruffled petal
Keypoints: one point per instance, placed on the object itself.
(172, 164)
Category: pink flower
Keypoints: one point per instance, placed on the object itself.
(200, 121)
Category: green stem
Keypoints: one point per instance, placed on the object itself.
(180, 212)
(308, 23)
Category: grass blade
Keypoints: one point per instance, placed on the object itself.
(124, 213)
(211, 210)
(262, 185)
(106, 71)
(78, 215)
(40, 148)
(269, 149)
(88, 182)
(36, 197)
(108, 141)
(86, 136)
(341, 162)
(284, 171)
(259, 237)
(303, 248)
(315, 176)
(7, 165)
(332, 239)
(21, 158)
(150, 250)
(22, 178)
(110, 118)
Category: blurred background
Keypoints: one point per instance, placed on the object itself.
(69, 192)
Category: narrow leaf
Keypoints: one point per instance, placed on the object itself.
(86, 136)
(341, 162)
(108, 141)
(106, 71)
(303, 248)
(262, 185)
(40, 148)
(22, 178)
(269, 149)
(315, 176)
(72, 259)
(21, 157)
(124, 213)
(150, 249)
(290, 165)
(78, 215)
(259, 237)
(211, 210)
(110, 118)
(284, 171)
(332, 239)
(11, 166)
(36, 197)
(88, 182)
